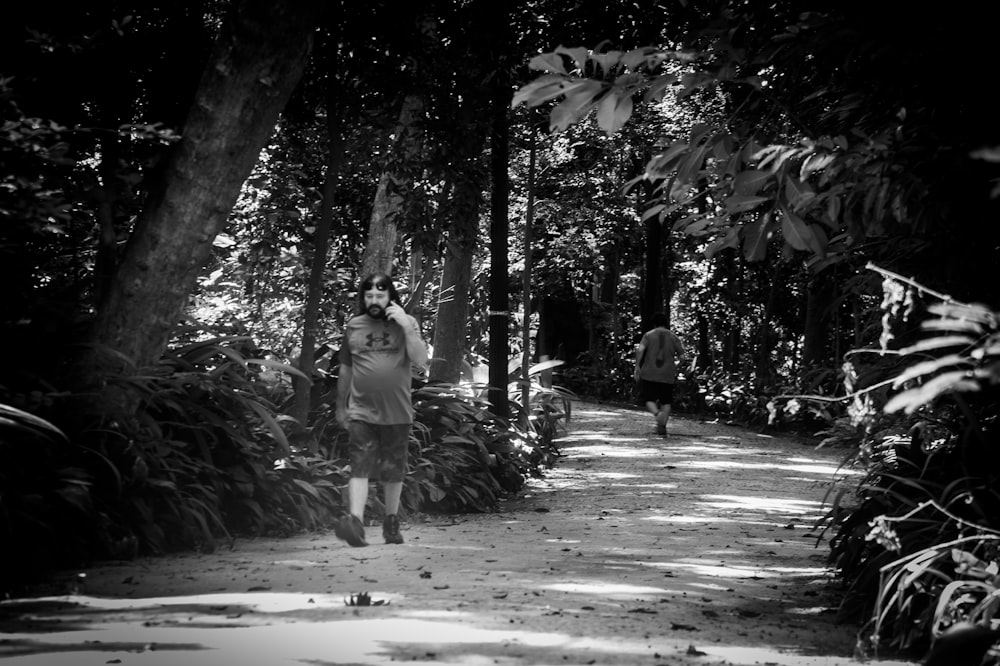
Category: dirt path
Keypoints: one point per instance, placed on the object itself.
(633, 550)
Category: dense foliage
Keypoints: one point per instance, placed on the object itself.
(746, 165)
(915, 540)
(830, 158)
(207, 456)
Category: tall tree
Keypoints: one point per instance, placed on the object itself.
(318, 266)
(451, 324)
(256, 62)
(499, 299)
(394, 184)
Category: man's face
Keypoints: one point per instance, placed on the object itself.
(376, 301)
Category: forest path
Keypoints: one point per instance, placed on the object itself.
(696, 549)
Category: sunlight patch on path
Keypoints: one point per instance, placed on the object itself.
(262, 602)
(611, 451)
(767, 504)
(603, 415)
(599, 435)
(442, 639)
(610, 589)
(812, 468)
(721, 570)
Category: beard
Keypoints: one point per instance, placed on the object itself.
(376, 312)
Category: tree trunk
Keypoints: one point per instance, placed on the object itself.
(652, 294)
(609, 300)
(255, 64)
(106, 260)
(704, 360)
(666, 272)
(529, 220)
(814, 344)
(765, 373)
(317, 271)
(499, 301)
(453, 307)
(733, 327)
(392, 189)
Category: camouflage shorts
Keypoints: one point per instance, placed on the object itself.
(378, 451)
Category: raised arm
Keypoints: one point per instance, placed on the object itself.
(416, 350)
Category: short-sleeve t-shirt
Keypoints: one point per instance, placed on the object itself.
(658, 362)
(381, 371)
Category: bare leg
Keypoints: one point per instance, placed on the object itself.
(393, 491)
(357, 493)
(664, 415)
(654, 409)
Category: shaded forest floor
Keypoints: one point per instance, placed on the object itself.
(696, 549)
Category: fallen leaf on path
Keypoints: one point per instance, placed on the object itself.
(364, 599)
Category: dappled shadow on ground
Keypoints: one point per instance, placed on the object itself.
(697, 549)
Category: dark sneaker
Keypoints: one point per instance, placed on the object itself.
(390, 529)
(350, 529)
(661, 430)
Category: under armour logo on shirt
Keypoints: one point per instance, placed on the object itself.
(383, 339)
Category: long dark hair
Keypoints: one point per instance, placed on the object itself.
(380, 280)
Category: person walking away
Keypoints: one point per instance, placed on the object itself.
(657, 358)
(381, 345)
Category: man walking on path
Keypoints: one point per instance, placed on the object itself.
(381, 345)
(656, 360)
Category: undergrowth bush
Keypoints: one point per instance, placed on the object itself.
(915, 540)
(201, 454)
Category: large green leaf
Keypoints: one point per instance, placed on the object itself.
(928, 367)
(938, 342)
(541, 90)
(910, 400)
(750, 182)
(755, 238)
(658, 87)
(742, 203)
(272, 426)
(281, 367)
(580, 98)
(798, 194)
(578, 54)
(968, 311)
(800, 234)
(731, 239)
(29, 423)
(613, 111)
(548, 62)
